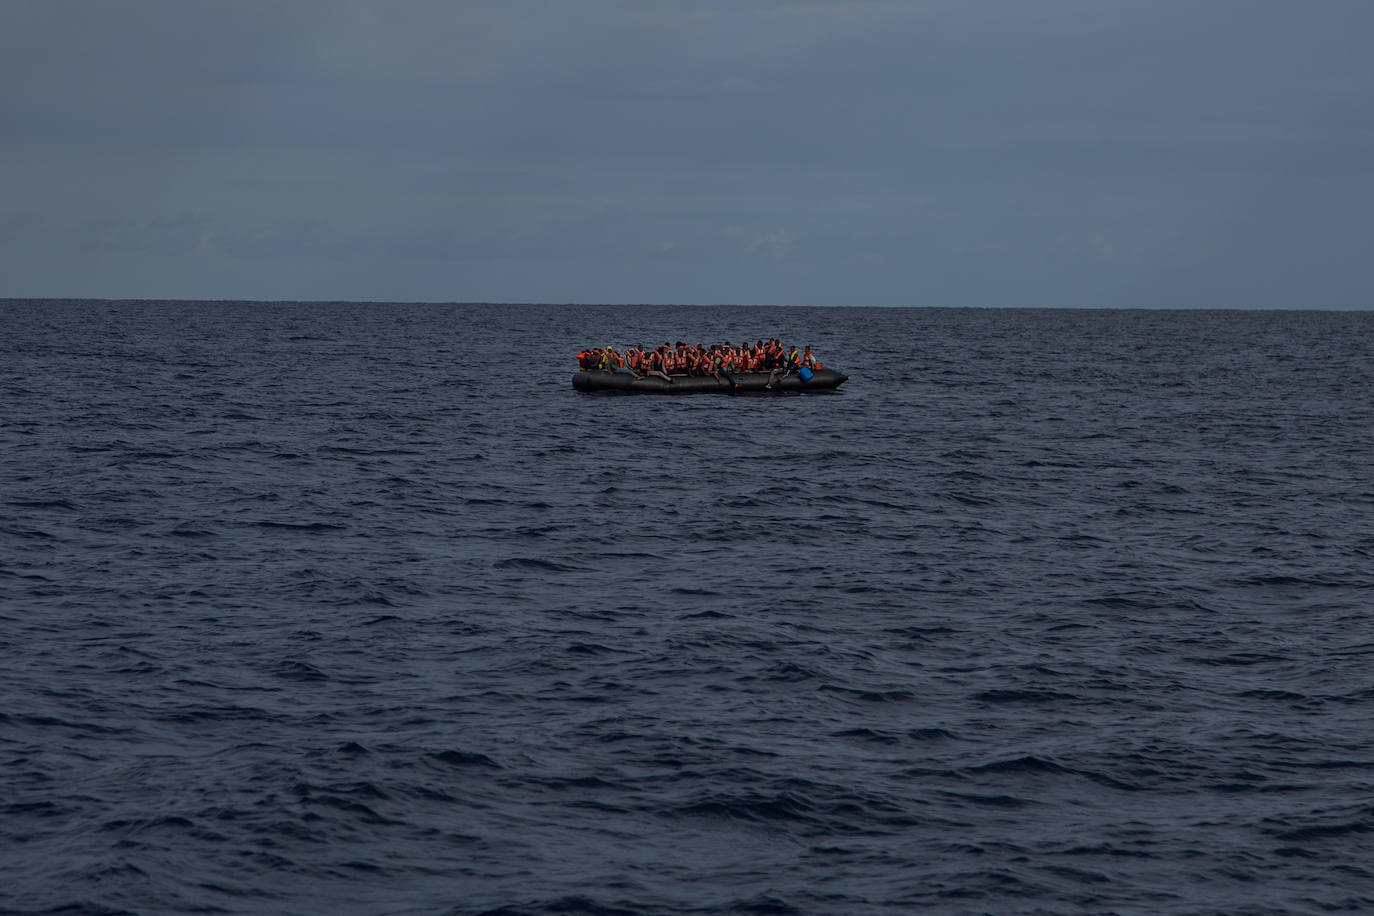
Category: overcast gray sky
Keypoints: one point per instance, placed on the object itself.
(1164, 153)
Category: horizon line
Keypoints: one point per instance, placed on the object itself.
(628, 304)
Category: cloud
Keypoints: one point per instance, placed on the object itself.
(774, 244)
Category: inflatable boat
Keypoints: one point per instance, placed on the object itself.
(744, 382)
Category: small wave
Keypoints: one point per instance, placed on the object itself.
(870, 696)
(33, 809)
(931, 734)
(1022, 696)
(81, 908)
(590, 648)
(781, 807)
(1233, 660)
(1077, 875)
(576, 905)
(297, 670)
(64, 504)
(301, 526)
(365, 599)
(26, 532)
(217, 714)
(1119, 602)
(789, 672)
(189, 531)
(1327, 831)
(867, 735)
(464, 759)
(990, 801)
(1026, 764)
(575, 782)
(1277, 696)
(762, 905)
(34, 577)
(142, 825)
(9, 718)
(364, 813)
(365, 452)
(533, 563)
(1290, 582)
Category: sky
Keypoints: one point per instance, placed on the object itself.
(1110, 153)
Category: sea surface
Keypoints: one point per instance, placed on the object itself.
(359, 608)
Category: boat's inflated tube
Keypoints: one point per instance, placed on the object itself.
(596, 380)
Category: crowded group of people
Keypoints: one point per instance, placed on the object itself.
(720, 361)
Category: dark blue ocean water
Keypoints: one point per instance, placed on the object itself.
(313, 608)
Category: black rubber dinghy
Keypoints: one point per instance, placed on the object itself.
(744, 382)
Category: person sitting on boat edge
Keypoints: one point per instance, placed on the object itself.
(659, 366)
(721, 369)
(783, 367)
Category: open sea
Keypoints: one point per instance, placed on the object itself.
(320, 608)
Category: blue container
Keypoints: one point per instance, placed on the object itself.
(805, 373)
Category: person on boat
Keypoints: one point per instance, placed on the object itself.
(787, 365)
(721, 369)
(626, 360)
(659, 365)
(704, 365)
(610, 360)
(770, 354)
(756, 357)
